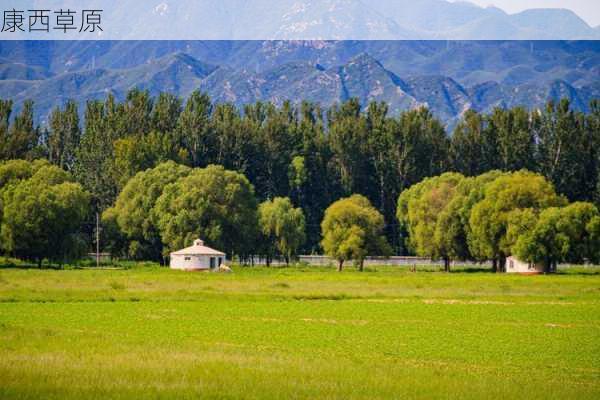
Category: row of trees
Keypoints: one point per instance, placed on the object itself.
(165, 208)
(488, 217)
(162, 209)
(495, 215)
(311, 156)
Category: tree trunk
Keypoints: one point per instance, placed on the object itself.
(550, 266)
(340, 265)
(446, 264)
(502, 267)
(39, 263)
(495, 265)
(547, 266)
(361, 265)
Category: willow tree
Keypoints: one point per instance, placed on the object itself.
(561, 234)
(42, 216)
(420, 209)
(509, 199)
(213, 203)
(282, 226)
(132, 212)
(352, 229)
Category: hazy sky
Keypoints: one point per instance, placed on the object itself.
(589, 10)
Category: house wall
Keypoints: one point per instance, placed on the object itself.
(516, 266)
(190, 262)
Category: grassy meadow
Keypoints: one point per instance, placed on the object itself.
(298, 333)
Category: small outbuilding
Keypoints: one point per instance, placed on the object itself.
(516, 266)
(197, 258)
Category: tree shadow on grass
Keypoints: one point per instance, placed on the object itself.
(579, 272)
(11, 263)
(31, 266)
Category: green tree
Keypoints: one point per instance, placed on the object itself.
(352, 229)
(566, 152)
(381, 143)
(593, 228)
(236, 141)
(277, 140)
(348, 139)
(311, 181)
(422, 147)
(94, 165)
(23, 139)
(5, 112)
(165, 113)
(137, 112)
(505, 196)
(133, 209)
(592, 150)
(283, 227)
(17, 170)
(64, 136)
(468, 151)
(132, 155)
(212, 203)
(514, 138)
(453, 233)
(194, 131)
(113, 239)
(420, 209)
(42, 217)
(559, 235)
(12, 171)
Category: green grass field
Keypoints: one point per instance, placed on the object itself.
(306, 333)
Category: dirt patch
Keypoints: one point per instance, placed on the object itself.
(563, 326)
(461, 302)
(336, 322)
(496, 303)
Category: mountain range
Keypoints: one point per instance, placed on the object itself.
(318, 20)
(447, 76)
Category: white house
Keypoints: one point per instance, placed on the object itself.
(197, 258)
(516, 266)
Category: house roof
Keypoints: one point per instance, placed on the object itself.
(198, 249)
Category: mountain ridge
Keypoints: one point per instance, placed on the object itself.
(362, 76)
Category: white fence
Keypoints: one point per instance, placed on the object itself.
(369, 261)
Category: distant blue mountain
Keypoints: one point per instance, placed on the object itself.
(449, 77)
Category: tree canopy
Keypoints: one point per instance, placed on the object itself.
(506, 199)
(282, 226)
(352, 229)
(212, 203)
(420, 209)
(560, 234)
(133, 209)
(42, 216)
(313, 155)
